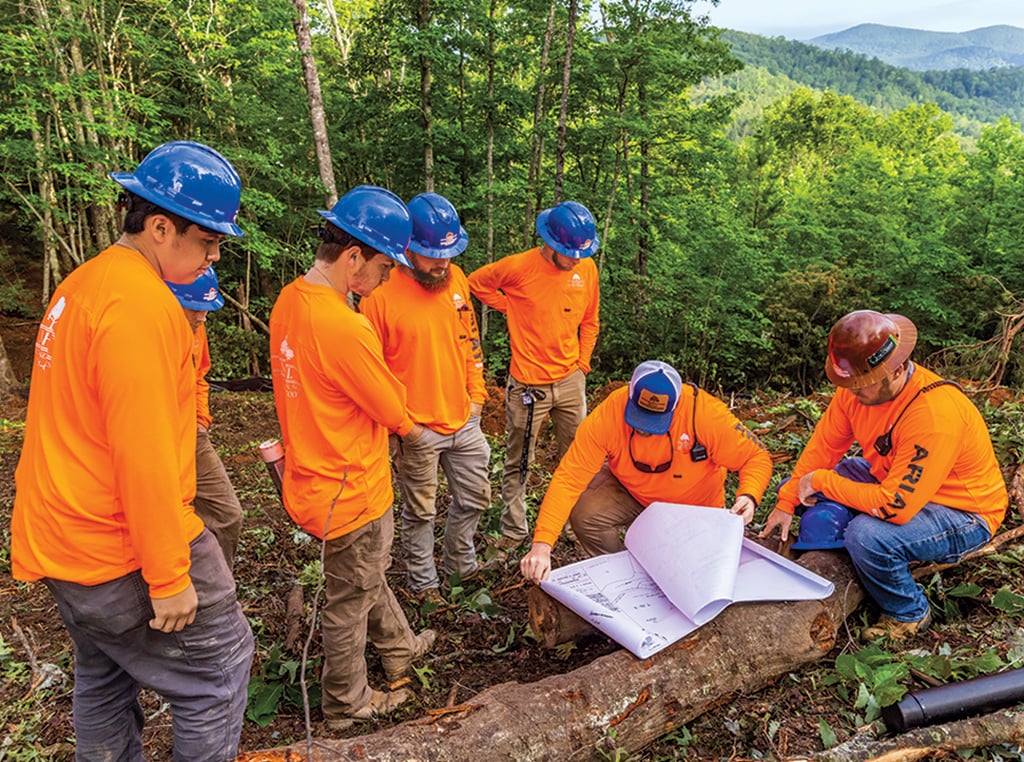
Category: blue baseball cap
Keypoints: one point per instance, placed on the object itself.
(653, 395)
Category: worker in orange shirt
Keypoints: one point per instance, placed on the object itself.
(216, 502)
(551, 298)
(655, 440)
(336, 402)
(431, 343)
(928, 487)
(103, 511)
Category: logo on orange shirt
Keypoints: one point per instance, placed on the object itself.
(48, 334)
(289, 373)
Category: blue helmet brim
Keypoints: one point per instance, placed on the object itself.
(433, 252)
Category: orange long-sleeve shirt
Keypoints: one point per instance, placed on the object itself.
(941, 453)
(336, 401)
(553, 315)
(431, 342)
(605, 435)
(107, 471)
(201, 358)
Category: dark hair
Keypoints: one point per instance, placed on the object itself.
(137, 209)
(334, 240)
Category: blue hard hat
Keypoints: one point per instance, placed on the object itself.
(375, 216)
(201, 294)
(823, 525)
(436, 231)
(569, 229)
(190, 180)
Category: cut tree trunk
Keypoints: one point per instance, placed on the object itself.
(616, 701)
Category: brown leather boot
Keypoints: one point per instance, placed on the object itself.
(381, 703)
(396, 669)
(893, 629)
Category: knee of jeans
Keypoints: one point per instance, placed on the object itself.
(862, 537)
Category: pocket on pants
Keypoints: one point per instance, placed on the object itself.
(110, 608)
(219, 635)
(209, 572)
(361, 557)
(965, 539)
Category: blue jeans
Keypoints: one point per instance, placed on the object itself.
(882, 552)
(202, 671)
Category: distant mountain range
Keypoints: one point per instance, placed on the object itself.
(776, 66)
(979, 50)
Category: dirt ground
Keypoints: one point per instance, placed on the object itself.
(482, 633)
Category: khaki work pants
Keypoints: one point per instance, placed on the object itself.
(603, 513)
(359, 606)
(216, 502)
(566, 402)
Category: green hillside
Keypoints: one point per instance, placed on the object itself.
(972, 98)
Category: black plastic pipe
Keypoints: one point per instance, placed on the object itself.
(956, 700)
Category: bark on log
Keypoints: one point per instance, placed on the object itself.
(1004, 726)
(568, 717)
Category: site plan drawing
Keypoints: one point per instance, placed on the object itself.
(682, 566)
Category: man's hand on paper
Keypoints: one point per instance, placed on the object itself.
(778, 519)
(744, 507)
(536, 564)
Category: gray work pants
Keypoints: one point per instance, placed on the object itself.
(201, 671)
(464, 456)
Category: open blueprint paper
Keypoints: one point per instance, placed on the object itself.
(682, 566)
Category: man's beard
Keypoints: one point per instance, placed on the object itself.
(431, 282)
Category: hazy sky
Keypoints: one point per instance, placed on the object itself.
(803, 19)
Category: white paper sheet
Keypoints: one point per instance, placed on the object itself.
(683, 565)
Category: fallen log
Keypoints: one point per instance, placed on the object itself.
(616, 701)
(1003, 727)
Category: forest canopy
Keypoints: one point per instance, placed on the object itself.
(730, 258)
